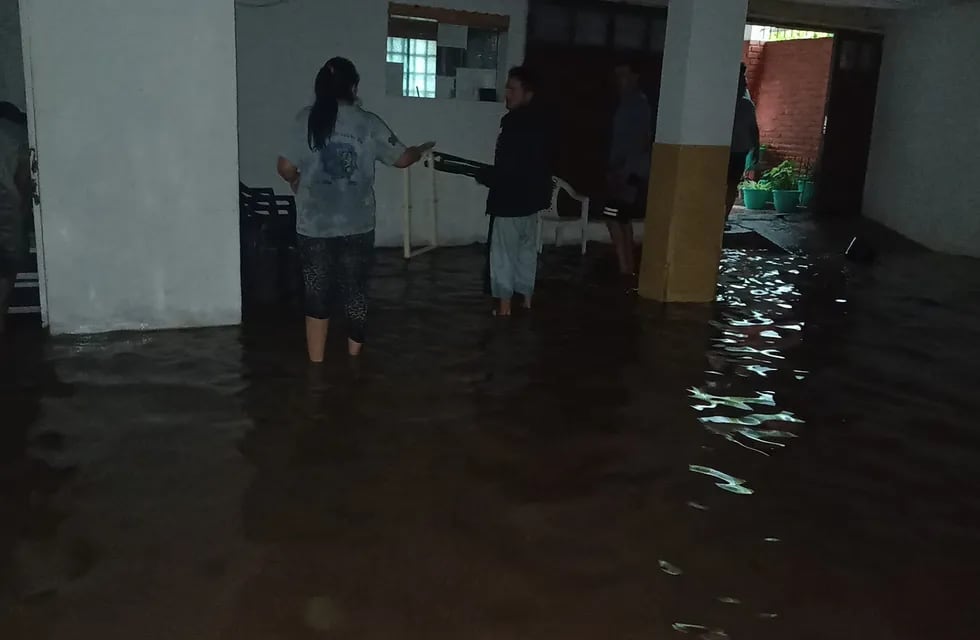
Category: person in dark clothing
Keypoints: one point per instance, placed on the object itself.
(745, 140)
(15, 200)
(520, 183)
(629, 166)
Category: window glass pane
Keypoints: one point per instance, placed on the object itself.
(420, 64)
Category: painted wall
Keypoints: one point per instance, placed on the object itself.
(11, 59)
(788, 81)
(281, 48)
(925, 148)
(137, 146)
(697, 78)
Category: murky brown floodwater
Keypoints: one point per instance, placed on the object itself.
(800, 461)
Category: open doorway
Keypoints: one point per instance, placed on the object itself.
(814, 93)
(22, 260)
(788, 74)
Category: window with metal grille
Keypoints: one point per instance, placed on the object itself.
(418, 60)
(762, 33)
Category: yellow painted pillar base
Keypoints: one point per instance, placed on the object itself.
(685, 222)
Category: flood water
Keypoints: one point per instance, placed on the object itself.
(800, 460)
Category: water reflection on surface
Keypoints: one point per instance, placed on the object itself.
(778, 465)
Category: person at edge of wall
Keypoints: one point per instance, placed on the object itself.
(520, 183)
(628, 169)
(745, 141)
(329, 162)
(15, 200)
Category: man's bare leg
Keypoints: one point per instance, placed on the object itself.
(629, 248)
(617, 234)
(504, 307)
(316, 338)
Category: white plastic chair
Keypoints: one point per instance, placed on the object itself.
(551, 213)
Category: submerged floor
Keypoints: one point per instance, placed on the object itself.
(800, 460)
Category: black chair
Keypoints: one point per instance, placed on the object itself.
(269, 256)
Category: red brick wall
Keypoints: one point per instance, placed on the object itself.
(788, 81)
(752, 57)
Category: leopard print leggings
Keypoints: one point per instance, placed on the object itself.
(336, 270)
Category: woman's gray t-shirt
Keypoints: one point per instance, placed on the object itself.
(336, 188)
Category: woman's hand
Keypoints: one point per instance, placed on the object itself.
(413, 155)
(288, 172)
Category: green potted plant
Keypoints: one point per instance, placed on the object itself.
(784, 180)
(806, 183)
(755, 195)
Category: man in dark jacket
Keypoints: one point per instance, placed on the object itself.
(15, 200)
(520, 186)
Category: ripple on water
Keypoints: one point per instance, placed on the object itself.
(704, 632)
(728, 483)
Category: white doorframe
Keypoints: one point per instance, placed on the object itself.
(25, 38)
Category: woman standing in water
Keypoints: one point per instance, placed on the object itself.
(329, 164)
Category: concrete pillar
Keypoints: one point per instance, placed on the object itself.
(685, 209)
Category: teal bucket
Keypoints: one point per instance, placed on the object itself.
(755, 199)
(806, 192)
(786, 201)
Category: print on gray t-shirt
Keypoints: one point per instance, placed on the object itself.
(336, 188)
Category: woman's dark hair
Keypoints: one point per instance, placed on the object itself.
(335, 83)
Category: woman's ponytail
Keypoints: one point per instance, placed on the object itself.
(335, 83)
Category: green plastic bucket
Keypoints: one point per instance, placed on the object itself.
(786, 201)
(806, 192)
(755, 199)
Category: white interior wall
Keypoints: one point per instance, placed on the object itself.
(280, 50)
(11, 57)
(925, 155)
(135, 112)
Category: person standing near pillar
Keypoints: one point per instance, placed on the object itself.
(520, 183)
(629, 166)
(15, 200)
(684, 225)
(745, 140)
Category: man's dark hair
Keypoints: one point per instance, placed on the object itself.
(743, 82)
(10, 111)
(527, 78)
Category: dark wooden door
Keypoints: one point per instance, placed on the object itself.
(850, 116)
(578, 81)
